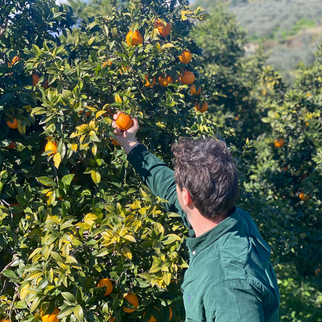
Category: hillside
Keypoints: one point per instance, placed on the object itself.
(290, 30)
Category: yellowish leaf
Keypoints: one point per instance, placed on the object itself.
(117, 98)
(127, 253)
(24, 292)
(57, 160)
(74, 147)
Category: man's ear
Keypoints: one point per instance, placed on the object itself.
(186, 197)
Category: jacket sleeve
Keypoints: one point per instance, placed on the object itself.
(234, 301)
(157, 176)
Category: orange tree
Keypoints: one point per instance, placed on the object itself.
(286, 176)
(72, 212)
(234, 85)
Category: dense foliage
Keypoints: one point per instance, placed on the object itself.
(74, 212)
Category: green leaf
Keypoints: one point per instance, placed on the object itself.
(68, 296)
(46, 181)
(36, 251)
(169, 239)
(66, 311)
(78, 312)
(67, 179)
(35, 304)
(169, 45)
(9, 273)
(130, 238)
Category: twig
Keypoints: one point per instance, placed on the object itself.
(6, 267)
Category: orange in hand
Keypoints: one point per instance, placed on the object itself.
(124, 121)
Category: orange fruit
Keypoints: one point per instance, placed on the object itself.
(187, 78)
(13, 123)
(5, 320)
(165, 81)
(88, 113)
(164, 30)
(317, 271)
(12, 145)
(237, 118)
(35, 79)
(75, 179)
(193, 90)
(304, 197)
(153, 319)
(106, 282)
(279, 142)
(124, 122)
(284, 169)
(114, 142)
(147, 84)
(51, 146)
(132, 299)
(185, 57)
(202, 108)
(112, 319)
(51, 317)
(14, 60)
(136, 38)
(107, 63)
(45, 85)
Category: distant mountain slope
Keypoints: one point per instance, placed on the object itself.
(290, 29)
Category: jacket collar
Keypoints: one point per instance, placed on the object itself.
(197, 244)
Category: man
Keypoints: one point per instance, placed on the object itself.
(230, 277)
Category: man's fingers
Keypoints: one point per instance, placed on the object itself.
(115, 116)
(135, 123)
(117, 131)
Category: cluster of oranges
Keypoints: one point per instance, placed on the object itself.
(134, 38)
(129, 298)
(279, 143)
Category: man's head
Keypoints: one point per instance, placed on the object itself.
(208, 172)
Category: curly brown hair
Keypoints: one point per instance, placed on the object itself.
(208, 171)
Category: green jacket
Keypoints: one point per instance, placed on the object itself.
(230, 277)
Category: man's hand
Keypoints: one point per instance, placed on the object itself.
(127, 139)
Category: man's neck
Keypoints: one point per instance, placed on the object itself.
(201, 224)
